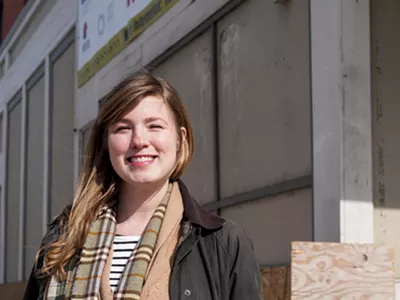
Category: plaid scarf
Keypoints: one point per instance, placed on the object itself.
(84, 274)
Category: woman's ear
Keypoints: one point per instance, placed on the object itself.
(181, 138)
(183, 132)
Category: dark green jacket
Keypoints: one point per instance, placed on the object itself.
(214, 261)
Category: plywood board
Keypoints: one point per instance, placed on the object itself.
(276, 283)
(342, 271)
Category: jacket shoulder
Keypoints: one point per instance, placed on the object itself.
(233, 239)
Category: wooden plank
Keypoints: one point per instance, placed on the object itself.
(276, 283)
(342, 271)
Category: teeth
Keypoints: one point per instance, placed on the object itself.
(141, 159)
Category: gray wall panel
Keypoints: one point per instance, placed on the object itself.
(264, 100)
(190, 71)
(273, 223)
(34, 173)
(62, 143)
(13, 192)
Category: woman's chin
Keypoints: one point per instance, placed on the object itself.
(146, 180)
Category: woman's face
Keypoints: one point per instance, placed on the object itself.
(143, 145)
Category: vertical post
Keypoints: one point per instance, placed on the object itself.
(342, 135)
(3, 201)
(357, 200)
(21, 216)
(46, 158)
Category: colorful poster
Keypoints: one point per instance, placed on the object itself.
(106, 27)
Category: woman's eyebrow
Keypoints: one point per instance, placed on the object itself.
(126, 121)
(153, 119)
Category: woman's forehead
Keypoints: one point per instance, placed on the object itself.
(150, 108)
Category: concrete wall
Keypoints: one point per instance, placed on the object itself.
(385, 66)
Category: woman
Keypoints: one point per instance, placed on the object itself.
(134, 231)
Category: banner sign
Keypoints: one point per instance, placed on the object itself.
(106, 27)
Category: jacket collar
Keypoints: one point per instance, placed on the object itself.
(194, 213)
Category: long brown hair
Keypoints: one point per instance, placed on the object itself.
(98, 182)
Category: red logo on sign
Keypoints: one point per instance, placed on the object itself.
(85, 26)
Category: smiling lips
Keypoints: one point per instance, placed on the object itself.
(141, 160)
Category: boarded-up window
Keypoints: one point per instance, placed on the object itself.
(264, 99)
(13, 187)
(62, 130)
(265, 122)
(34, 169)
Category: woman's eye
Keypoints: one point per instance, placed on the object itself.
(121, 128)
(155, 126)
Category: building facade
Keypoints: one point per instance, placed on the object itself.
(292, 103)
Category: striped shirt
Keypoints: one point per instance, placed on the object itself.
(123, 247)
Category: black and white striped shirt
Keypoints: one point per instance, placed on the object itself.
(123, 247)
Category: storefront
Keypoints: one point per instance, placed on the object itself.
(279, 94)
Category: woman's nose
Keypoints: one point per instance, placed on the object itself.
(139, 139)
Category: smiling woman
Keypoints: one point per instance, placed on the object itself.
(143, 146)
(133, 230)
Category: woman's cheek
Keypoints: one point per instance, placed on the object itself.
(119, 144)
